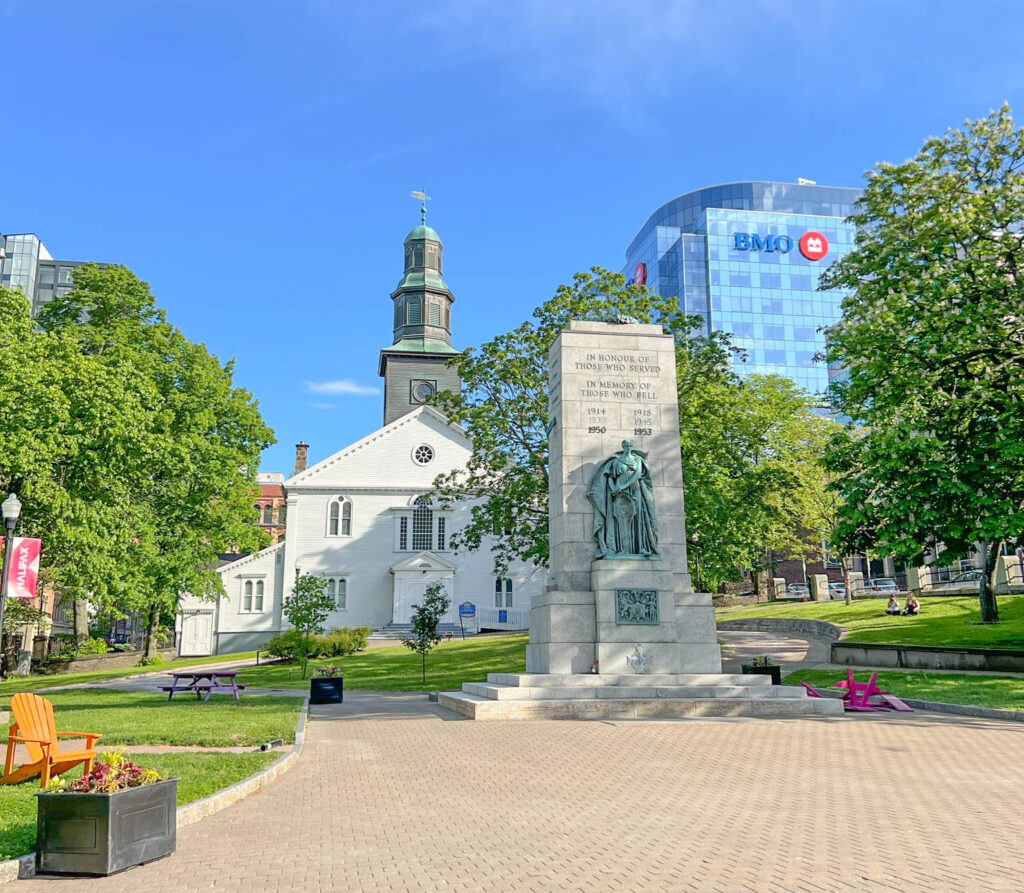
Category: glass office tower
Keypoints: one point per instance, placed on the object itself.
(26, 264)
(746, 257)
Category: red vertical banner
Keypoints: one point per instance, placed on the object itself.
(24, 570)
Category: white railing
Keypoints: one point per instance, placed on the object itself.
(514, 618)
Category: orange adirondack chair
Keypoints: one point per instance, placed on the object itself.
(33, 719)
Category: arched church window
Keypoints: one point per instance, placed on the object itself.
(422, 524)
(339, 517)
(259, 512)
(414, 312)
(417, 256)
(268, 514)
(399, 312)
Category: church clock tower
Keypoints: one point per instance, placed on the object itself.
(413, 368)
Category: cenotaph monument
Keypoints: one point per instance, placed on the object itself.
(619, 631)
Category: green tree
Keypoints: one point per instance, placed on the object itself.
(180, 458)
(425, 619)
(736, 434)
(307, 610)
(932, 336)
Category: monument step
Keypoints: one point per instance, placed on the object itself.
(601, 680)
(479, 708)
(630, 693)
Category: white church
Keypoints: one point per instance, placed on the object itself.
(361, 518)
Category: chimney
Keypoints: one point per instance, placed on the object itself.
(301, 456)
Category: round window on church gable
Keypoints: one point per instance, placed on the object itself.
(423, 454)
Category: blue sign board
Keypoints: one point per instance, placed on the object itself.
(502, 616)
(467, 609)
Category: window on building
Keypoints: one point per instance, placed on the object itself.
(65, 276)
(247, 597)
(399, 312)
(341, 593)
(414, 311)
(442, 541)
(422, 524)
(447, 316)
(502, 592)
(281, 515)
(339, 517)
(268, 514)
(258, 599)
(435, 314)
(403, 533)
(417, 256)
(46, 274)
(259, 512)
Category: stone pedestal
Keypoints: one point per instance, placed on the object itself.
(610, 383)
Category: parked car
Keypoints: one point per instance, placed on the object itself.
(964, 580)
(837, 590)
(798, 590)
(881, 584)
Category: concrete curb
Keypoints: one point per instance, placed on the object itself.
(783, 625)
(25, 866)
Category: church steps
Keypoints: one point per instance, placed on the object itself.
(479, 708)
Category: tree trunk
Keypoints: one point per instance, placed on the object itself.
(989, 605)
(152, 642)
(81, 616)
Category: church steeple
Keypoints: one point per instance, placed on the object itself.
(414, 367)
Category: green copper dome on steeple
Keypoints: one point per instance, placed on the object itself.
(422, 232)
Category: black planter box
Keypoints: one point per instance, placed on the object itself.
(775, 672)
(101, 834)
(326, 689)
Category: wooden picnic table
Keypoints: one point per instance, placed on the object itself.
(200, 681)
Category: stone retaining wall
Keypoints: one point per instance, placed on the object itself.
(92, 662)
(915, 657)
(786, 626)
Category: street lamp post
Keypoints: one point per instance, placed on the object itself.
(11, 510)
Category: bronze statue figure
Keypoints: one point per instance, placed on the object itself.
(622, 494)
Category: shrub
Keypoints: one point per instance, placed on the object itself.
(342, 640)
(64, 646)
(93, 646)
(286, 646)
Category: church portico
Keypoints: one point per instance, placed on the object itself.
(411, 578)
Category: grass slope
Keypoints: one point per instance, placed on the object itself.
(399, 669)
(199, 775)
(32, 683)
(149, 718)
(1003, 692)
(945, 622)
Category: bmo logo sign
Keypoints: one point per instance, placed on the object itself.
(813, 245)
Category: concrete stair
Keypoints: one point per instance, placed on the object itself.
(600, 696)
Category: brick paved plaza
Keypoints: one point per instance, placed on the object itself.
(393, 793)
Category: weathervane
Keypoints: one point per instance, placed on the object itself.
(421, 194)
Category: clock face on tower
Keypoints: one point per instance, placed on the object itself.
(421, 390)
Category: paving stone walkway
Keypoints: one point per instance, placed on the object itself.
(395, 793)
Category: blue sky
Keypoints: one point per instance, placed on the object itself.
(253, 160)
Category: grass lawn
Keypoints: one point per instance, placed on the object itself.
(199, 774)
(31, 683)
(399, 669)
(946, 622)
(149, 718)
(1004, 692)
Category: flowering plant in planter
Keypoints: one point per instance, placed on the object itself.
(327, 671)
(111, 773)
(116, 816)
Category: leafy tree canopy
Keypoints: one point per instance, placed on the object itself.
(932, 338)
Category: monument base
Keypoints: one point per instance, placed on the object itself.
(645, 696)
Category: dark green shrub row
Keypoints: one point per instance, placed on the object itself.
(339, 641)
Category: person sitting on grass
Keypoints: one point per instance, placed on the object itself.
(913, 607)
(894, 606)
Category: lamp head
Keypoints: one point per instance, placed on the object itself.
(11, 509)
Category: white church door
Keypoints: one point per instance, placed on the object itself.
(196, 634)
(412, 577)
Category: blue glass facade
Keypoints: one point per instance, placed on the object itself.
(733, 255)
